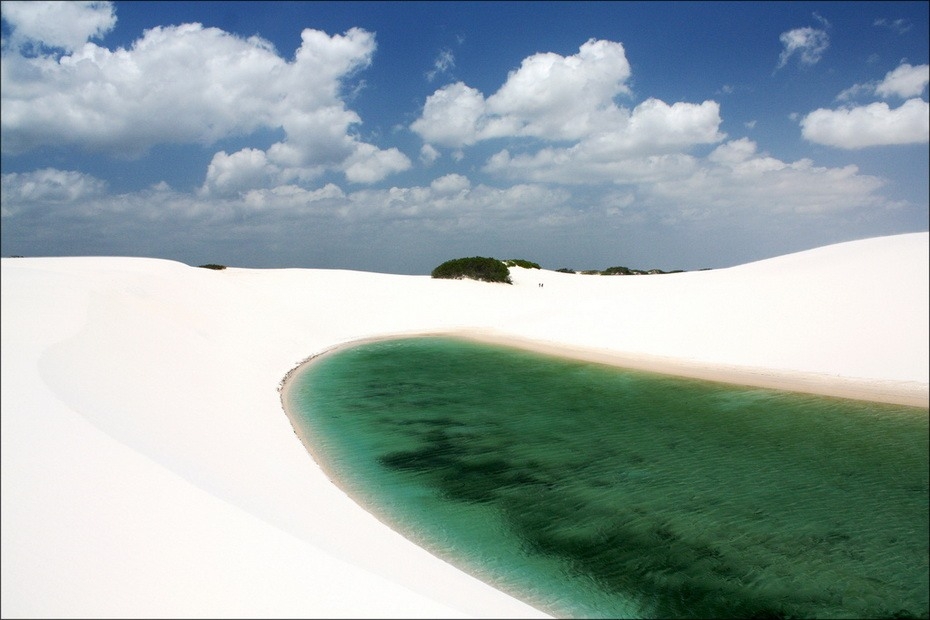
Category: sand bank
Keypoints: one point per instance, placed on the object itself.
(909, 393)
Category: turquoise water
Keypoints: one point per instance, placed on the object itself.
(589, 491)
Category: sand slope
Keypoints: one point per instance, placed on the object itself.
(148, 468)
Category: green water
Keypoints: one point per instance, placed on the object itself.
(588, 491)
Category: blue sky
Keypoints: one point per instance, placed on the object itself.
(391, 136)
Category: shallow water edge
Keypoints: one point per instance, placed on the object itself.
(910, 394)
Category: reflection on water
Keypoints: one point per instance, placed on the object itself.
(593, 492)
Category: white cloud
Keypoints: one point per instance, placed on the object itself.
(231, 174)
(579, 167)
(450, 116)
(295, 199)
(127, 100)
(571, 99)
(733, 153)
(450, 184)
(642, 144)
(875, 124)
(735, 178)
(655, 125)
(451, 202)
(898, 25)
(856, 90)
(550, 96)
(904, 81)
(63, 25)
(445, 60)
(49, 186)
(808, 43)
(561, 98)
(428, 154)
(369, 164)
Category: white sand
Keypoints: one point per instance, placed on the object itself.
(148, 468)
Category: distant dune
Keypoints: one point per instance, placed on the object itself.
(148, 468)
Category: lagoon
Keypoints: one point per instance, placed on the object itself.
(591, 491)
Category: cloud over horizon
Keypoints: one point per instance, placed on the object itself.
(572, 140)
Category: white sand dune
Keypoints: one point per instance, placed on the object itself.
(149, 470)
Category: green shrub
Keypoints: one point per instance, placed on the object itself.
(213, 266)
(519, 262)
(626, 271)
(565, 270)
(476, 268)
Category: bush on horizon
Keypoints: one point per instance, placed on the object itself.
(519, 262)
(475, 267)
(213, 266)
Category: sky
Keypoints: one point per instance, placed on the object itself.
(393, 136)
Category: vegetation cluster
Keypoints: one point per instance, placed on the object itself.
(494, 270)
(626, 271)
(476, 268)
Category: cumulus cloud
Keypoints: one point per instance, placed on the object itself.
(124, 101)
(549, 96)
(63, 25)
(449, 200)
(875, 124)
(642, 144)
(644, 150)
(578, 167)
(451, 115)
(294, 199)
(572, 100)
(450, 184)
(369, 164)
(452, 202)
(429, 154)
(735, 178)
(49, 186)
(904, 81)
(808, 44)
(230, 174)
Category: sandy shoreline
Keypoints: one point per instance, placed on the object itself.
(911, 394)
(907, 393)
